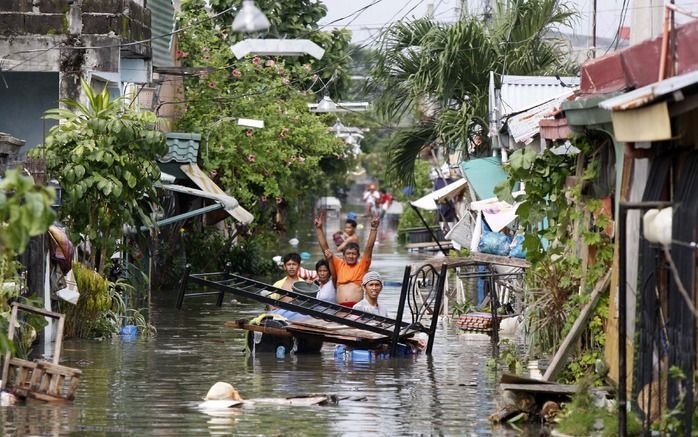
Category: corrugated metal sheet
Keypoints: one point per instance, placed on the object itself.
(161, 23)
(182, 147)
(650, 93)
(519, 93)
(524, 126)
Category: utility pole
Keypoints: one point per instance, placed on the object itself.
(645, 19)
(593, 31)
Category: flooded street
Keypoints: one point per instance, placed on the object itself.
(152, 387)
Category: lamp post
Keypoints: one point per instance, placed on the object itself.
(245, 122)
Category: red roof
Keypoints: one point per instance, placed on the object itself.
(638, 65)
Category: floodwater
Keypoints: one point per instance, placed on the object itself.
(152, 387)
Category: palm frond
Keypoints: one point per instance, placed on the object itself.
(406, 145)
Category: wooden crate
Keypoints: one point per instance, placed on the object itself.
(48, 381)
(54, 382)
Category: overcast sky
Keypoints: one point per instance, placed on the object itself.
(366, 25)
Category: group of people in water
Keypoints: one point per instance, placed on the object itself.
(346, 279)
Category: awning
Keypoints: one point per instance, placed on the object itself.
(209, 190)
(650, 93)
(429, 202)
(483, 175)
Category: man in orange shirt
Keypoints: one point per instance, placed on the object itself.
(348, 272)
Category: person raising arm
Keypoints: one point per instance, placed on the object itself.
(349, 271)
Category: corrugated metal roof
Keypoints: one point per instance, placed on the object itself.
(519, 93)
(161, 23)
(182, 147)
(648, 94)
(524, 126)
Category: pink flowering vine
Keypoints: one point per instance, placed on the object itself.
(212, 84)
(251, 157)
(256, 60)
(236, 73)
(249, 132)
(270, 63)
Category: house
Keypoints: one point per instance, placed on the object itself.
(641, 102)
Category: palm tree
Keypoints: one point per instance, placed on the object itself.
(437, 75)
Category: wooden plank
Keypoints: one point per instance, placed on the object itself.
(242, 324)
(8, 355)
(429, 245)
(36, 310)
(560, 359)
(553, 389)
(356, 333)
(476, 258)
(59, 339)
(508, 378)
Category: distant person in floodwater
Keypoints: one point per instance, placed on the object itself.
(372, 285)
(385, 201)
(348, 272)
(371, 198)
(341, 239)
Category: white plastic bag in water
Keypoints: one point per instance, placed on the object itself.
(70, 293)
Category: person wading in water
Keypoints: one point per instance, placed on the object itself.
(349, 271)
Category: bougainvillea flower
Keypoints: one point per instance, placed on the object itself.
(249, 132)
(212, 84)
(256, 60)
(270, 63)
(251, 157)
(236, 73)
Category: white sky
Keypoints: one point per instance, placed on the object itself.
(367, 24)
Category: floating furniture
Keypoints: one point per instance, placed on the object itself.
(44, 380)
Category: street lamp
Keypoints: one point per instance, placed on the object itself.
(245, 122)
(277, 47)
(250, 18)
(326, 105)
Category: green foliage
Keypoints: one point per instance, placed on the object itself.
(289, 19)
(207, 250)
(25, 212)
(582, 418)
(552, 214)
(443, 69)
(103, 154)
(95, 300)
(294, 155)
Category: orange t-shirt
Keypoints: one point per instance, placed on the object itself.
(350, 273)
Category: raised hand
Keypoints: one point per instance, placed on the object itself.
(375, 222)
(328, 254)
(319, 220)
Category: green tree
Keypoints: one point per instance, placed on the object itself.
(438, 74)
(25, 212)
(289, 19)
(103, 154)
(294, 154)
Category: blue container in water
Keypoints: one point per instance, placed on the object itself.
(361, 355)
(339, 351)
(280, 352)
(129, 330)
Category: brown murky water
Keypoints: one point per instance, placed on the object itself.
(152, 387)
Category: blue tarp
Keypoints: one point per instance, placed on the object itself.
(483, 174)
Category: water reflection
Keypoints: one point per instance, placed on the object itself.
(153, 387)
